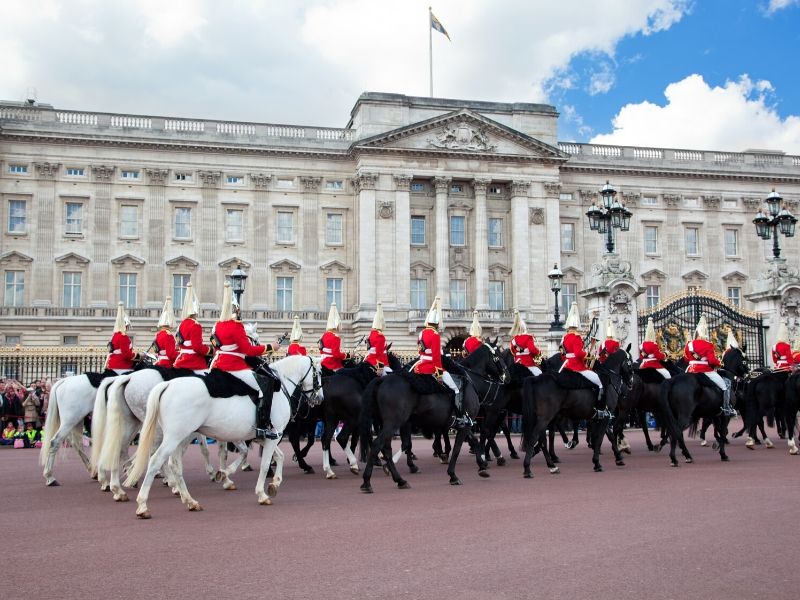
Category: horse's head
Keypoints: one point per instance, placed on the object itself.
(251, 329)
(735, 361)
(312, 379)
(487, 361)
(552, 363)
(394, 363)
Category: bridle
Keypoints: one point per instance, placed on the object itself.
(493, 387)
(309, 398)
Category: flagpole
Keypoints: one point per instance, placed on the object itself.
(430, 47)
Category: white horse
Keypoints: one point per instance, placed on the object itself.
(183, 405)
(71, 399)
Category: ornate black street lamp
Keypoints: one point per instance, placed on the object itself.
(778, 220)
(238, 281)
(610, 215)
(556, 277)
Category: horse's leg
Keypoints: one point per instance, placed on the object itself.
(204, 451)
(598, 432)
(375, 448)
(294, 440)
(612, 438)
(405, 446)
(703, 428)
(177, 475)
(767, 442)
(61, 435)
(721, 432)
(223, 475)
(447, 447)
(461, 434)
(156, 462)
(327, 436)
(646, 430)
(130, 428)
(270, 448)
(512, 452)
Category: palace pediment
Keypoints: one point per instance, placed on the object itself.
(461, 132)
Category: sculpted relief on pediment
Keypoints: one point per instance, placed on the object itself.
(462, 136)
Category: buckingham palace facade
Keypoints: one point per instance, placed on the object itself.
(416, 197)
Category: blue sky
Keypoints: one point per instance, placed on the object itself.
(716, 74)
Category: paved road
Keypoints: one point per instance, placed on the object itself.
(707, 530)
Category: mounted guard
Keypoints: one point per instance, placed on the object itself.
(782, 351)
(165, 347)
(330, 344)
(234, 346)
(474, 341)
(523, 345)
(192, 353)
(796, 351)
(295, 337)
(650, 353)
(575, 355)
(376, 343)
(610, 344)
(121, 355)
(699, 353)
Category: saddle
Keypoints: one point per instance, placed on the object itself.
(706, 382)
(570, 380)
(424, 384)
(325, 372)
(169, 373)
(96, 378)
(221, 384)
(363, 373)
(518, 374)
(650, 376)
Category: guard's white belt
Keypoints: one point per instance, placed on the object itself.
(327, 351)
(117, 351)
(185, 351)
(698, 362)
(570, 355)
(426, 352)
(372, 350)
(162, 352)
(228, 347)
(425, 357)
(187, 343)
(649, 359)
(239, 354)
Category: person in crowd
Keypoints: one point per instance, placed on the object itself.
(31, 406)
(650, 353)
(121, 355)
(30, 435)
(9, 434)
(575, 355)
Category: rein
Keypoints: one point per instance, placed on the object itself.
(308, 395)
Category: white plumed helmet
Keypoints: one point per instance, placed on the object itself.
(731, 342)
(611, 330)
(226, 312)
(297, 332)
(573, 318)
(701, 332)
(167, 318)
(435, 313)
(475, 329)
(121, 322)
(650, 332)
(518, 326)
(334, 321)
(191, 306)
(378, 321)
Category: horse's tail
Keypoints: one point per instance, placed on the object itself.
(147, 434)
(99, 421)
(369, 400)
(108, 458)
(51, 423)
(693, 427)
(666, 410)
(528, 415)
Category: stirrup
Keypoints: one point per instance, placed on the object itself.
(729, 412)
(599, 415)
(462, 422)
(267, 433)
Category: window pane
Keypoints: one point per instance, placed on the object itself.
(691, 241)
(418, 231)
(568, 237)
(284, 293)
(731, 242)
(74, 221)
(417, 187)
(457, 231)
(419, 294)
(16, 216)
(285, 227)
(735, 296)
(233, 225)
(333, 292)
(333, 229)
(183, 223)
(458, 294)
(569, 292)
(497, 295)
(129, 220)
(565, 196)
(15, 288)
(127, 289)
(72, 290)
(496, 233)
(651, 240)
(179, 283)
(653, 295)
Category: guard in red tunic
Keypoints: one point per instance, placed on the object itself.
(650, 354)
(234, 346)
(610, 344)
(330, 344)
(523, 345)
(796, 352)
(376, 343)
(429, 344)
(295, 337)
(699, 353)
(575, 355)
(121, 355)
(164, 345)
(192, 352)
(474, 341)
(782, 351)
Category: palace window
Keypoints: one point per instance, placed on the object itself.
(234, 180)
(497, 295)
(569, 293)
(730, 203)
(496, 190)
(72, 289)
(179, 283)
(334, 234)
(129, 221)
(285, 183)
(11, 340)
(75, 172)
(565, 197)
(568, 237)
(649, 201)
(731, 243)
(692, 241)
(456, 188)
(419, 294)
(69, 340)
(73, 213)
(458, 294)
(127, 289)
(334, 185)
(183, 223)
(333, 291)
(651, 239)
(417, 186)
(457, 235)
(234, 225)
(496, 233)
(283, 293)
(18, 169)
(131, 175)
(17, 216)
(691, 202)
(652, 296)
(417, 231)
(15, 288)
(184, 177)
(735, 296)
(285, 227)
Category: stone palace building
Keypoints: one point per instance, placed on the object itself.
(416, 197)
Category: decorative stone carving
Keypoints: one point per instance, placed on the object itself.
(620, 312)
(790, 312)
(672, 199)
(47, 170)
(587, 196)
(209, 178)
(751, 203)
(260, 180)
(777, 275)
(335, 267)
(791, 204)
(462, 136)
(365, 181)
(552, 188)
(520, 188)
(157, 176)
(310, 184)
(609, 269)
(403, 182)
(385, 209)
(536, 216)
(442, 184)
(712, 202)
(630, 198)
(481, 184)
(103, 172)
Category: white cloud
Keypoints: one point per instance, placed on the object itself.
(733, 117)
(602, 79)
(776, 5)
(305, 61)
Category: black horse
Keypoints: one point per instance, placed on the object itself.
(392, 401)
(544, 399)
(790, 410)
(764, 397)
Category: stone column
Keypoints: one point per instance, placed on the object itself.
(402, 255)
(365, 185)
(101, 238)
(154, 231)
(206, 235)
(259, 281)
(43, 237)
(552, 249)
(442, 240)
(520, 240)
(481, 244)
(310, 275)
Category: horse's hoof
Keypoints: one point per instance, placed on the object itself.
(674, 464)
(715, 446)
(403, 485)
(230, 487)
(366, 488)
(413, 468)
(501, 461)
(514, 456)
(266, 501)
(123, 497)
(354, 469)
(572, 445)
(689, 460)
(620, 463)
(330, 475)
(53, 483)
(386, 470)
(483, 473)
(272, 490)
(554, 470)
(455, 481)
(737, 434)
(598, 468)
(145, 514)
(627, 450)
(724, 458)
(294, 457)
(768, 443)
(247, 468)
(528, 475)
(412, 456)
(793, 452)
(309, 471)
(94, 476)
(555, 459)
(219, 476)
(704, 443)
(195, 507)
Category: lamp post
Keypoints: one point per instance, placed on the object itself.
(778, 220)
(556, 277)
(238, 281)
(610, 215)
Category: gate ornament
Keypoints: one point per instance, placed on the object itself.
(672, 340)
(462, 137)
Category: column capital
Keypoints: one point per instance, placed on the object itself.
(260, 180)
(157, 176)
(442, 184)
(209, 178)
(310, 183)
(403, 182)
(520, 188)
(103, 172)
(480, 184)
(47, 170)
(552, 188)
(365, 180)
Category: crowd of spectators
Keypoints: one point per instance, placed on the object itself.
(23, 410)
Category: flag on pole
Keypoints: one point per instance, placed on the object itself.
(437, 25)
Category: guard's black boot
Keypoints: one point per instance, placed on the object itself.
(727, 409)
(264, 428)
(461, 420)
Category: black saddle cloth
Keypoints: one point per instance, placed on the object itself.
(363, 373)
(168, 373)
(325, 372)
(707, 383)
(221, 384)
(763, 374)
(518, 374)
(571, 380)
(96, 378)
(650, 376)
(424, 384)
